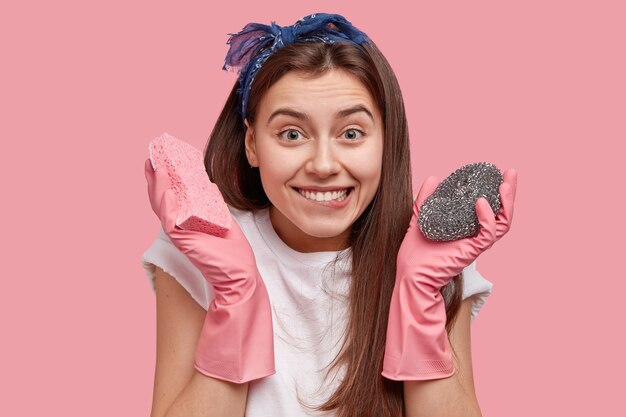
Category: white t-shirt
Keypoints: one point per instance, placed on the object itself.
(309, 311)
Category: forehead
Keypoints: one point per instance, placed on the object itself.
(330, 91)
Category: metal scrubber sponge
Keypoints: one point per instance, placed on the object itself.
(449, 212)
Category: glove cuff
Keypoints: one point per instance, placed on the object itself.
(409, 369)
(237, 340)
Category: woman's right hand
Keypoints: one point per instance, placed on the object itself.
(237, 339)
(226, 262)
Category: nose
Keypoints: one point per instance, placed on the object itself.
(324, 160)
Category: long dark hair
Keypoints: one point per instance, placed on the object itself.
(376, 235)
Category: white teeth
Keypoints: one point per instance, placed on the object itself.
(324, 196)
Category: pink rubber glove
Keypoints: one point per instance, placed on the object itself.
(237, 339)
(417, 346)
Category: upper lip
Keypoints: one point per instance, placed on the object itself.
(319, 188)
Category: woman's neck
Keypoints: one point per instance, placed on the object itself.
(302, 242)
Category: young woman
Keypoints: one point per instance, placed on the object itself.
(324, 298)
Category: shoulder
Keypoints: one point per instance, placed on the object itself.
(244, 218)
(239, 214)
(164, 255)
(253, 224)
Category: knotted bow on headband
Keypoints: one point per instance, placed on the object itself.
(251, 47)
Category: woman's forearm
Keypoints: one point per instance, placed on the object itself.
(209, 397)
(439, 397)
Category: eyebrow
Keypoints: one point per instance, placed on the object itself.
(303, 116)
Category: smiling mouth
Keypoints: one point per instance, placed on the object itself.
(325, 196)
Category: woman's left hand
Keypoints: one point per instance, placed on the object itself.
(417, 343)
(441, 261)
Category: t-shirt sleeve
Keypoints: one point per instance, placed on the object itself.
(475, 284)
(166, 256)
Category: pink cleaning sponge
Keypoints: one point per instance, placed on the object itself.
(201, 205)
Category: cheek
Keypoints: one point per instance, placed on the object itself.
(276, 165)
(366, 166)
(369, 179)
(278, 161)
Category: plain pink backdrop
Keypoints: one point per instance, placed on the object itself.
(536, 85)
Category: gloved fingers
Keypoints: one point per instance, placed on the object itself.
(149, 173)
(507, 189)
(487, 234)
(168, 211)
(168, 214)
(428, 187)
(148, 170)
(158, 182)
(510, 177)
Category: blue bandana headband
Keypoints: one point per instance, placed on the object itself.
(245, 57)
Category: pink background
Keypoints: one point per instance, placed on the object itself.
(535, 85)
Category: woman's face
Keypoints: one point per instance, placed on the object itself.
(318, 145)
